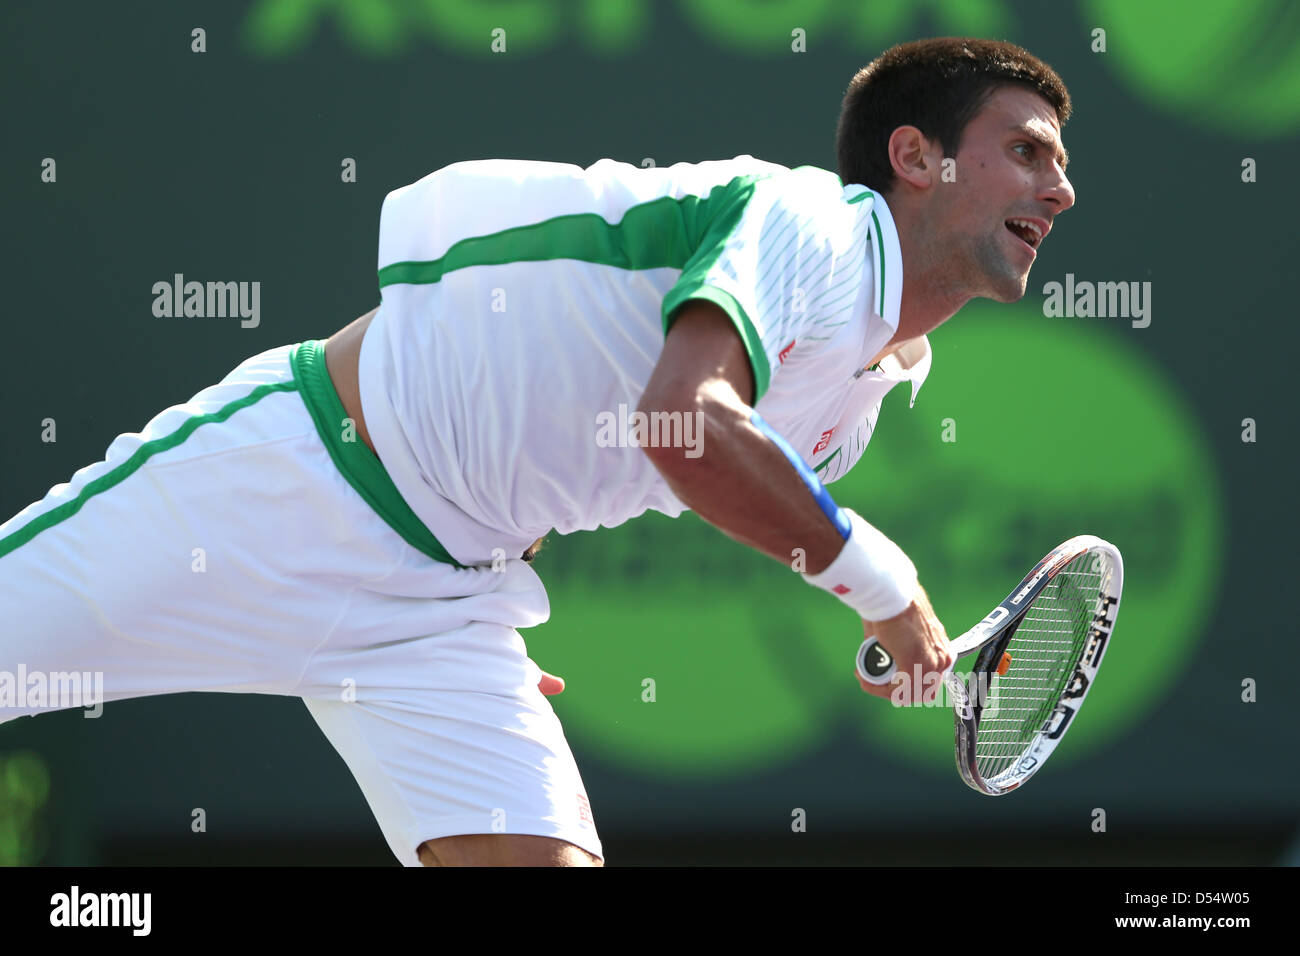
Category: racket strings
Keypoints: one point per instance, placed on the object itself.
(1044, 650)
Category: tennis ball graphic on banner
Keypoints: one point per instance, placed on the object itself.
(1061, 429)
(1229, 66)
(686, 652)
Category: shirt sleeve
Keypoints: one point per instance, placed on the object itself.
(767, 261)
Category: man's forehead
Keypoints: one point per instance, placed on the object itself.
(1011, 106)
(1040, 125)
(1017, 110)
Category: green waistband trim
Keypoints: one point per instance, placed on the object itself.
(354, 459)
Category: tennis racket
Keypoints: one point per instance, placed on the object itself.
(1039, 651)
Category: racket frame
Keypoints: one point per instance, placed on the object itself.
(991, 636)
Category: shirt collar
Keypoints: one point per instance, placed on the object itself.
(911, 363)
(886, 255)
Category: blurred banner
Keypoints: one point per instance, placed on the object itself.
(711, 694)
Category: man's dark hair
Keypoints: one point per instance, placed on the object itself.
(937, 86)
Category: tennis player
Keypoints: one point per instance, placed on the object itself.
(352, 521)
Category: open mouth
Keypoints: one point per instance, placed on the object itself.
(1026, 231)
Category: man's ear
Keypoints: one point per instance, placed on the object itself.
(915, 158)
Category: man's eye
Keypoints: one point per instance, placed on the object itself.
(1025, 146)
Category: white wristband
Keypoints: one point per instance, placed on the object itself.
(871, 574)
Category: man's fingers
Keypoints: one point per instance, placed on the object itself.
(550, 685)
(884, 691)
(912, 682)
(916, 640)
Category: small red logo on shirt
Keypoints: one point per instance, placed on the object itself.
(584, 809)
(786, 351)
(840, 589)
(824, 442)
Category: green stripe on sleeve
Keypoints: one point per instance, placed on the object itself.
(659, 234)
(686, 233)
(694, 281)
(679, 295)
(652, 235)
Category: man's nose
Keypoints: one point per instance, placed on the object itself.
(1060, 191)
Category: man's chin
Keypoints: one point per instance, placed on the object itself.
(1008, 292)
(1004, 280)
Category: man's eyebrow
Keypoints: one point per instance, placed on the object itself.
(1046, 142)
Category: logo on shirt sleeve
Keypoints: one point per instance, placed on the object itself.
(824, 442)
(785, 351)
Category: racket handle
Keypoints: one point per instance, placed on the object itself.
(875, 666)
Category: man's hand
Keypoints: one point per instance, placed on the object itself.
(913, 637)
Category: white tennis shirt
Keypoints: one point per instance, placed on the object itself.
(525, 304)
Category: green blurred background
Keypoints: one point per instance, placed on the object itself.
(225, 165)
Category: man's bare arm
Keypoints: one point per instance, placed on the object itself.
(741, 482)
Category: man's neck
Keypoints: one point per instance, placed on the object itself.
(917, 316)
(931, 294)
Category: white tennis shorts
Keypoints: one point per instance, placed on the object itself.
(247, 542)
